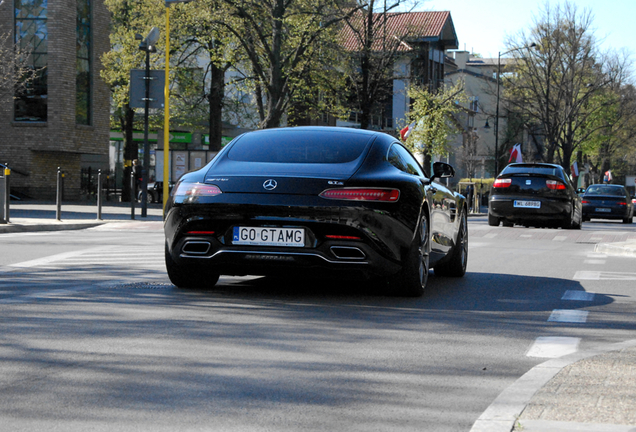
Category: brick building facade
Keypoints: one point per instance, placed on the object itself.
(70, 129)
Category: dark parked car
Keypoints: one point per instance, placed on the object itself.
(534, 194)
(607, 201)
(316, 201)
(155, 192)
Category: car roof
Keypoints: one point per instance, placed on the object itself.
(534, 165)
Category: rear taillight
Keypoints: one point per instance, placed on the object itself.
(622, 203)
(585, 202)
(342, 237)
(197, 190)
(362, 194)
(555, 185)
(502, 183)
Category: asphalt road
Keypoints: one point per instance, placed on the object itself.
(94, 337)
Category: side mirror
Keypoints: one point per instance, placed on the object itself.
(442, 170)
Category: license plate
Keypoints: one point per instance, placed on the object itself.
(603, 210)
(265, 236)
(528, 204)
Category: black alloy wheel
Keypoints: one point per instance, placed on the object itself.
(411, 280)
(456, 265)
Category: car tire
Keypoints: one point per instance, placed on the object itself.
(570, 223)
(492, 220)
(411, 280)
(456, 265)
(187, 276)
(507, 223)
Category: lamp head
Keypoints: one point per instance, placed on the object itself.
(152, 37)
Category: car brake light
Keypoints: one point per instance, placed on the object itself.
(622, 203)
(342, 237)
(502, 183)
(197, 190)
(555, 185)
(585, 202)
(361, 194)
(200, 232)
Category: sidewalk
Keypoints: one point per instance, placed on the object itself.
(30, 216)
(592, 391)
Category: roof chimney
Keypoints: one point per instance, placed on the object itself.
(461, 57)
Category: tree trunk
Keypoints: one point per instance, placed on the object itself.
(131, 149)
(215, 99)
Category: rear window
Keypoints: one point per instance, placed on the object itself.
(527, 169)
(605, 190)
(315, 147)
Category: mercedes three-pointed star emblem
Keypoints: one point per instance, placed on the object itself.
(270, 184)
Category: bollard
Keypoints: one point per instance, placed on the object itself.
(58, 199)
(7, 194)
(132, 195)
(99, 195)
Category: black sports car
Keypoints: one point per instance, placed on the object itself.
(607, 201)
(534, 194)
(315, 201)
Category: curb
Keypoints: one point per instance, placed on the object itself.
(504, 411)
(18, 228)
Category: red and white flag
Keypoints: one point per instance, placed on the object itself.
(404, 133)
(608, 176)
(515, 154)
(574, 169)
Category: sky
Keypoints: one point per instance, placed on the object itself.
(482, 25)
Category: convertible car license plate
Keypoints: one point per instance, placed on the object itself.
(603, 210)
(528, 204)
(264, 236)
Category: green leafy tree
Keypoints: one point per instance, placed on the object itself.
(279, 38)
(203, 51)
(128, 18)
(432, 114)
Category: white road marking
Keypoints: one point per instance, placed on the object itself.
(559, 238)
(491, 235)
(597, 275)
(553, 347)
(596, 255)
(568, 316)
(595, 261)
(577, 295)
(57, 257)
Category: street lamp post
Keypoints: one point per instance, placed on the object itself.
(147, 45)
(532, 45)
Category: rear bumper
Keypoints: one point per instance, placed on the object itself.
(615, 213)
(344, 260)
(549, 210)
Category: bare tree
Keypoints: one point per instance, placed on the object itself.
(16, 74)
(374, 42)
(560, 85)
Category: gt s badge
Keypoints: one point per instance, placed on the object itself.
(335, 182)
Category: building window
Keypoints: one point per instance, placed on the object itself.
(83, 74)
(31, 33)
